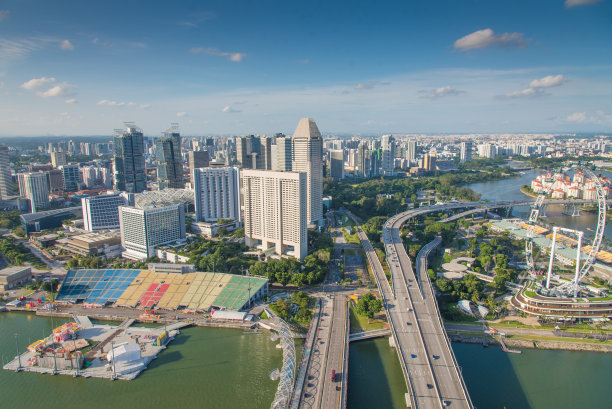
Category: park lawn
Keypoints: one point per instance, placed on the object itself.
(361, 323)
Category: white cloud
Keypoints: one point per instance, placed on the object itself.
(487, 38)
(66, 45)
(538, 86)
(577, 117)
(71, 101)
(440, 92)
(59, 90)
(548, 81)
(235, 57)
(37, 83)
(229, 109)
(4, 14)
(574, 3)
(107, 103)
(181, 114)
(198, 18)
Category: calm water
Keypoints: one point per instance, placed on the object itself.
(203, 368)
(536, 379)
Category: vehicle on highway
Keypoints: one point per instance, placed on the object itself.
(412, 355)
(333, 375)
(408, 323)
(429, 386)
(436, 357)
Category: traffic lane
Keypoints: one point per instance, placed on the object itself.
(332, 389)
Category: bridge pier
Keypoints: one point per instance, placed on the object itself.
(392, 341)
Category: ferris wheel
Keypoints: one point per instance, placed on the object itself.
(568, 287)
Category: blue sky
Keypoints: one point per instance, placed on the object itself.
(227, 67)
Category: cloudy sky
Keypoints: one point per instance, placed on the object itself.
(235, 67)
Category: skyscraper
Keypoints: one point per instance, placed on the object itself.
(144, 229)
(307, 158)
(247, 150)
(169, 161)
(388, 155)
(58, 159)
(216, 194)
(130, 173)
(364, 156)
(264, 158)
(197, 159)
(429, 162)
(6, 181)
(466, 151)
(411, 151)
(275, 211)
(336, 164)
(36, 189)
(283, 154)
(71, 176)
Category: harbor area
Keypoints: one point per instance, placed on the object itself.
(83, 348)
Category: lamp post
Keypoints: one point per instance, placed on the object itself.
(18, 356)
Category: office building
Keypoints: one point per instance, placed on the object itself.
(364, 156)
(307, 158)
(36, 189)
(169, 161)
(465, 154)
(58, 159)
(336, 164)
(102, 212)
(388, 155)
(275, 211)
(282, 160)
(411, 148)
(144, 229)
(486, 150)
(197, 159)
(217, 194)
(130, 173)
(56, 180)
(265, 154)
(71, 176)
(429, 162)
(6, 181)
(247, 150)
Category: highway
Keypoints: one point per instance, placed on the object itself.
(427, 360)
(327, 355)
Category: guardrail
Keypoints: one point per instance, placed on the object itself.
(447, 341)
(298, 386)
(345, 359)
(364, 240)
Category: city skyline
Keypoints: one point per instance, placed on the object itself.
(240, 68)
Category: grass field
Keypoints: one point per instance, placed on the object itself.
(361, 323)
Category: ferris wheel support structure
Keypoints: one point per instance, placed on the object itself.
(581, 271)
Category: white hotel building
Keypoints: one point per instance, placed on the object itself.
(102, 212)
(275, 211)
(144, 229)
(216, 194)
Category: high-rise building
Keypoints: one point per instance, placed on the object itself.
(169, 161)
(411, 148)
(36, 189)
(58, 159)
(102, 212)
(130, 173)
(275, 211)
(247, 150)
(6, 181)
(336, 164)
(72, 177)
(197, 159)
(307, 158)
(388, 155)
(283, 154)
(56, 180)
(486, 150)
(429, 162)
(144, 229)
(465, 155)
(364, 156)
(264, 159)
(217, 193)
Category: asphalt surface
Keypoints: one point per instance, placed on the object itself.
(327, 356)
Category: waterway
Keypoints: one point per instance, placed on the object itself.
(510, 189)
(202, 368)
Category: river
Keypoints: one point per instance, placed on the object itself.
(212, 368)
